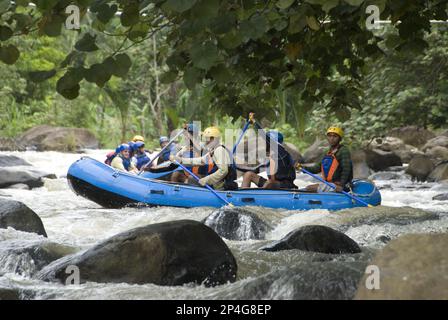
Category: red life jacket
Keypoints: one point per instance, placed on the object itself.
(109, 157)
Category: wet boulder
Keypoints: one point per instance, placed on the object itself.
(30, 176)
(420, 167)
(385, 176)
(439, 173)
(44, 138)
(170, 253)
(441, 197)
(9, 294)
(17, 215)
(441, 141)
(438, 153)
(360, 168)
(412, 135)
(12, 161)
(237, 224)
(412, 267)
(315, 238)
(396, 146)
(379, 160)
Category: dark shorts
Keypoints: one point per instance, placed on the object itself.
(282, 184)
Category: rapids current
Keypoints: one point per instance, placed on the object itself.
(74, 222)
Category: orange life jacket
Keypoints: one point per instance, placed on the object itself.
(329, 165)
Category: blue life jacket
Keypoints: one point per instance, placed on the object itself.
(142, 159)
(126, 163)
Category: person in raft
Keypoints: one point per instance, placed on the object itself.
(122, 160)
(216, 164)
(336, 166)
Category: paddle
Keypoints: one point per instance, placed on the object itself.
(241, 136)
(206, 185)
(163, 149)
(334, 187)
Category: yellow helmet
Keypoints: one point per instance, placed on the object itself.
(211, 132)
(138, 138)
(336, 130)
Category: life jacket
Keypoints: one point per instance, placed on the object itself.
(142, 159)
(329, 165)
(109, 157)
(211, 167)
(285, 166)
(126, 162)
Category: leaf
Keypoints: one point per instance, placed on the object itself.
(122, 65)
(46, 5)
(297, 22)
(224, 23)
(191, 77)
(354, 3)
(231, 40)
(68, 84)
(204, 56)
(206, 9)
(284, 4)
(40, 76)
(178, 5)
(105, 12)
(130, 15)
(220, 74)
(87, 43)
(51, 25)
(98, 73)
(312, 23)
(9, 54)
(293, 50)
(168, 77)
(330, 4)
(5, 33)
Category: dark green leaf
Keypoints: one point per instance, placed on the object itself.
(87, 43)
(178, 5)
(192, 76)
(9, 54)
(40, 76)
(168, 77)
(5, 33)
(122, 65)
(130, 15)
(204, 56)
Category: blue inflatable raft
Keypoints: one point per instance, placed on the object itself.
(110, 188)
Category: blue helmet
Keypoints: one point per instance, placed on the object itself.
(163, 139)
(191, 127)
(138, 145)
(275, 135)
(122, 147)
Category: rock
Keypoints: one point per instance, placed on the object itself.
(360, 168)
(294, 152)
(385, 176)
(28, 257)
(412, 267)
(397, 146)
(379, 160)
(237, 224)
(420, 167)
(316, 151)
(18, 216)
(45, 138)
(395, 169)
(444, 133)
(441, 141)
(438, 153)
(317, 239)
(170, 253)
(30, 176)
(19, 186)
(412, 135)
(12, 161)
(441, 197)
(9, 144)
(439, 173)
(9, 294)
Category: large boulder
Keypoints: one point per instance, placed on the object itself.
(316, 151)
(294, 152)
(18, 216)
(237, 224)
(360, 168)
(45, 137)
(9, 294)
(12, 161)
(439, 173)
(412, 135)
(379, 160)
(441, 197)
(420, 167)
(414, 266)
(437, 153)
(317, 239)
(30, 176)
(170, 253)
(397, 146)
(441, 141)
(9, 144)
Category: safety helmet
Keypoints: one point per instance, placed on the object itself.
(138, 138)
(336, 130)
(138, 145)
(163, 139)
(211, 132)
(122, 147)
(275, 135)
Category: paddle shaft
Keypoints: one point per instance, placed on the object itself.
(334, 187)
(241, 136)
(206, 185)
(163, 149)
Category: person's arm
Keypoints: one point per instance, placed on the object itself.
(346, 165)
(222, 161)
(315, 168)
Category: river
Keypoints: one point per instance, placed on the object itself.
(74, 221)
